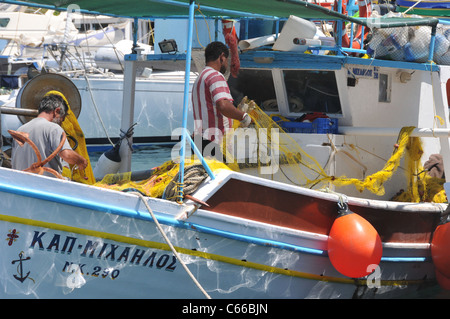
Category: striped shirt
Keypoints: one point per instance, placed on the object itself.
(209, 88)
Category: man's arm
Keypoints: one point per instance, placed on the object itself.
(73, 158)
(227, 109)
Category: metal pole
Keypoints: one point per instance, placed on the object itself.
(200, 156)
(18, 111)
(186, 99)
(135, 35)
(1, 140)
(432, 43)
(339, 26)
(216, 29)
(129, 86)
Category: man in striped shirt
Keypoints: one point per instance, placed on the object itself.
(212, 102)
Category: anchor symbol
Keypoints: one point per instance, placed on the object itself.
(20, 268)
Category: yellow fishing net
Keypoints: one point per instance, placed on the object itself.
(421, 186)
(271, 139)
(162, 182)
(72, 128)
(307, 172)
(304, 169)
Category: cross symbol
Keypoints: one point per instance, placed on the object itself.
(12, 237)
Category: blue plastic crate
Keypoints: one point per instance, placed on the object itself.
(280, 120)
(319, 126)
(277, 120)
(326, 125)
(298, 127)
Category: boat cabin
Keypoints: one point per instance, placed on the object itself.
(367, 103)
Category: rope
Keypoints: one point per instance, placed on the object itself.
(436, 117)
(96, 109)
(5, 160)
(411, 7)
(342, 198)
(127, 135)
(194, 175)
(112, 44)
(196, 28)
(171, 246)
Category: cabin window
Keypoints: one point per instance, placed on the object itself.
(384, 88)
(312, 91)
(3, 44)
(257, 85)
(4, 22)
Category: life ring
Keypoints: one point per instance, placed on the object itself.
(358, 39)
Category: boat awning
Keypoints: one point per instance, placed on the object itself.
(264, 9)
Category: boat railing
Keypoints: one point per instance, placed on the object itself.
(70, 55)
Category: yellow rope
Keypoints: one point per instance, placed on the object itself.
(375, 182)
(207, 25)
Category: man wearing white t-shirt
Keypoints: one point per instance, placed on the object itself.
(212, 101)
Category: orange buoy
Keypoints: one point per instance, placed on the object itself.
(443, 281)
(353, 244)
(440, 252)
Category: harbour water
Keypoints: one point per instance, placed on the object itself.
(143, 157)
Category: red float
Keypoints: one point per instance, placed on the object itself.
(443, 281)
(354, 245)
(440, 251)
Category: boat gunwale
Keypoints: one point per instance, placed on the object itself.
(210, 187)
(191, 223)
(298, 60)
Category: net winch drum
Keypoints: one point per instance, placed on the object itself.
(33, 91)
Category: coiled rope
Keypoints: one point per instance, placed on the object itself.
(194, 175)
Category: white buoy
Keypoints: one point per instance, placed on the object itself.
(108, 163)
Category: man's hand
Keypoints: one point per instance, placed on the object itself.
(73, 158)
(246, 120)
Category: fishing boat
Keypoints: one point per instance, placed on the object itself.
(89, 51)
(424, 8)
(248, 234)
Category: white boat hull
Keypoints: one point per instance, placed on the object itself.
(66, 240)
(154, 122)
(101, 111)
